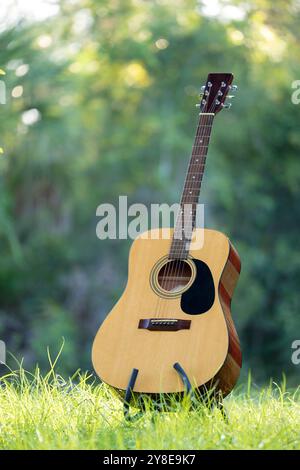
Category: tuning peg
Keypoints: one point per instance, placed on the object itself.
(198, 105)
(233, 87)
(229, 97)
(226, 106)
(203, 88)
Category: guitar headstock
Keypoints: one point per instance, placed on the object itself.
(215, 91)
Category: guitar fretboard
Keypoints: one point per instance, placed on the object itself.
(186, 219)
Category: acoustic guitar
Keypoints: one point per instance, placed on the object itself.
(172, 331)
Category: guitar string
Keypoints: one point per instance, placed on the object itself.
(200, 135)
(214, 104)
(173, 267)
(202, 163)
(180, 263)
(179, 267)
(186, 231)
(192, 200)
(170, 265)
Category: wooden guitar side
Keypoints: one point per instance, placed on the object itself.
(227, 376)
(209, 351)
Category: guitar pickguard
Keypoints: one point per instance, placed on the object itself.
(200, 297)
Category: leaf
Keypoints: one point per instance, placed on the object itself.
(1, 150)
(2, 72)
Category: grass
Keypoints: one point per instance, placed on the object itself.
(50, 413)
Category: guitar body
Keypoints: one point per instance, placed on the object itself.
(207, 347)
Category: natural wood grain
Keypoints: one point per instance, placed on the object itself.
(230, 371)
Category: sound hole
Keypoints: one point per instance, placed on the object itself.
(174, 275)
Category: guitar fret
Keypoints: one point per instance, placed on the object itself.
(194, 180)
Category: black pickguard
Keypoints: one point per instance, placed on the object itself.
(201, 295)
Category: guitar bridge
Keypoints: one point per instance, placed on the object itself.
(164, 324)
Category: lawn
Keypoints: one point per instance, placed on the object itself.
(51, 413)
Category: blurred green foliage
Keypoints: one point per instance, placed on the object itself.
(101, 103)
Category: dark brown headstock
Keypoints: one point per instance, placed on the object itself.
(215, 91)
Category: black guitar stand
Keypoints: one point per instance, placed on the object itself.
(185, 380)
(128, 396)
(218, 403)
(188, 392)
(129, 390)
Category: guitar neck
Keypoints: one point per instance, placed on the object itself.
(187, 217)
